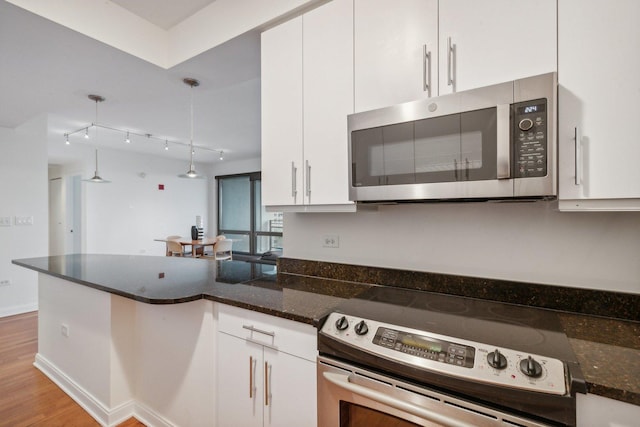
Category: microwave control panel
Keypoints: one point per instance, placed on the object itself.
(529, 127)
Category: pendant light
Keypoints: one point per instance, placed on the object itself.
(96, 177)
(191, 173)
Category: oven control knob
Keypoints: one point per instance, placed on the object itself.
(342, 323)
(530, 367)
(361, 328)
(525, 124)
(497, 360)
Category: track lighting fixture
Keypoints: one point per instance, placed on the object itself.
(128, 133)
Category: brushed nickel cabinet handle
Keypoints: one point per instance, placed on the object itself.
(308, 179)
(578, 157)
(451, 50)
(266, 383)
(251, 368)
(426, 70)
(294, 171)
(260, 331)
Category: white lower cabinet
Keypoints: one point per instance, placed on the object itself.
(598, 411)
(266, 370)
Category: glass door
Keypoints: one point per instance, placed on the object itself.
(242, 217)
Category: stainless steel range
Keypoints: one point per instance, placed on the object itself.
(395, 357)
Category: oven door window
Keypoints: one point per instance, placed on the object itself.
(457, 147)
(352, 415)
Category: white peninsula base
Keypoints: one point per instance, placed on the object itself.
(119, 358)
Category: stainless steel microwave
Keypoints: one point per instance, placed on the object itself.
(494, 142)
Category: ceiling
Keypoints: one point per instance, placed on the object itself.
(48, 69)
(163, 13)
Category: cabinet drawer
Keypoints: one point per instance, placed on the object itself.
(285, 335)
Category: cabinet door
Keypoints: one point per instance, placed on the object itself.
(240, 392)
(328, 99)
(281, 67)
(291, 385)
(598, 69)
(390, 37)
(495, 41)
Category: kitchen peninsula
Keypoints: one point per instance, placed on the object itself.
(136, 335)
(147, 335)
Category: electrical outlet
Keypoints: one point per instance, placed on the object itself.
(331, 241)
(64, 330)
(23, 220)
(5, 282)
(5, 221)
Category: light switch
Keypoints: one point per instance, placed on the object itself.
(5, 221)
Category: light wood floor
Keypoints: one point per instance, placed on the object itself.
(27, 396)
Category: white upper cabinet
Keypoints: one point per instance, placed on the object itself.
(307, 93)
(395, 52)
(407, 50)
(281, 67)
(599, 94)
(328, 99)
(494, 41)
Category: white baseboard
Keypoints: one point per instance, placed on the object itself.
(18, 309)
(107, 417)
(149, 417)
(102, 414)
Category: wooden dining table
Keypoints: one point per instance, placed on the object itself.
(195, 244)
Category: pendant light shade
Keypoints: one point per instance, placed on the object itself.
(96, 178)
(191, 173)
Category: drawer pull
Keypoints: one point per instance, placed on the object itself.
(260, 331)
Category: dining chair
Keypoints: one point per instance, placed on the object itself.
(174, 248)
(223, 250)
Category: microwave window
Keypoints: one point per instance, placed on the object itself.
(449, 152)
(471, 149)
(457, 147)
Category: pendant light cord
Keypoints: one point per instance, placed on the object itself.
(191, 136)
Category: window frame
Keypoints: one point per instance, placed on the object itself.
(252, 233)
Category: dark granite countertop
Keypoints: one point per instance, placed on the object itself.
(173, 280)
(607, 349)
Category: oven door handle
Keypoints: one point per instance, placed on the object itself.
(343, 382)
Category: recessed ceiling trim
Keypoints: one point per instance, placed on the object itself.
(110, 23)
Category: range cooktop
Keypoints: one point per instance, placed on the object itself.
(509, 355)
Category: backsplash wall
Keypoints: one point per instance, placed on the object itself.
(528, 242)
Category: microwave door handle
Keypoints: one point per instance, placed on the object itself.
(343, 382)
(503, 141)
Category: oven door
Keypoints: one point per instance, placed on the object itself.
(353, 397)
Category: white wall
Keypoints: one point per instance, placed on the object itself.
(126, 215)
(23, 192)
(530, 242)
